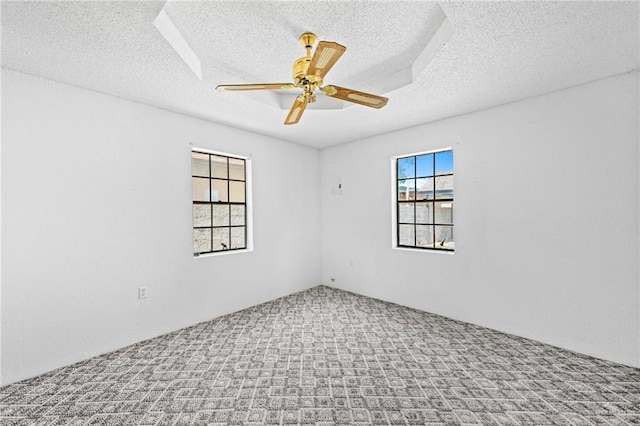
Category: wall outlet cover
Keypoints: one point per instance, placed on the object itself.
(143, 292)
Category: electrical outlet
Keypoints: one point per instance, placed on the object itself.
(143, 292)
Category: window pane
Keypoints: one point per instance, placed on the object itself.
(237, 192)
(444, 213)
(406, 235)
(200, 189)
(424, 165)
(444, 162)
(406, 167)
(221, 215)
(219, 190)
(201, 240)
(237, 215)
(405, 213)
(406, 189)
(424, 236)
(199, 164)
(236, 169)
(202, 215)
(444, 237)
(424, 212)
(237, 237)
(425, 189)
(220, 239)
(218, 167)
(444, 187)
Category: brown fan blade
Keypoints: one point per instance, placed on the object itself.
(362, 98)
(258, 86)
(326, 55)
(296, 110)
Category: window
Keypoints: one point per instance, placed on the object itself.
(424, 201)
(219, 202)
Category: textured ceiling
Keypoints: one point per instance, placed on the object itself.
(495, 52)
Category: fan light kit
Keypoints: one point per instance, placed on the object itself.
(308, 73)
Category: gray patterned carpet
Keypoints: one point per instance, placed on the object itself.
(329, 357)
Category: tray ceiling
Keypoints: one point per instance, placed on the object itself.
(484, 54)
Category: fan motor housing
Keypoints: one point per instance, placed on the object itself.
(309, 82)
(300, 67)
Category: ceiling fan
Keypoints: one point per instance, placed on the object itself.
(308, 72)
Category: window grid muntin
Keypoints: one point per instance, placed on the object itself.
(211, 203)
(415, 201)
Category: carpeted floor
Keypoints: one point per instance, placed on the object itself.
(329, 357)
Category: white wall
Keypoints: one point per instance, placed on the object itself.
(96, 202)
(96, 195)
(546, 217)
(0, 234)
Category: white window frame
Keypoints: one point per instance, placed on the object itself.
(394, 203)
(248, 203)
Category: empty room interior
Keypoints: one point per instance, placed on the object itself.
(320, 212)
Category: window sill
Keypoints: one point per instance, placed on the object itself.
(223, 253)
(449, 252)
